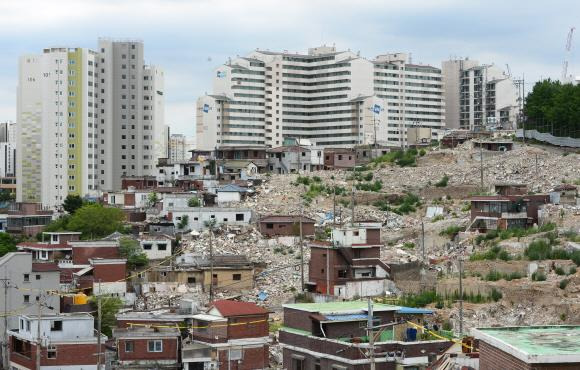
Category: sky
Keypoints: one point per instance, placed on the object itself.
(190, 38)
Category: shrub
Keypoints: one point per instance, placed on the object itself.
(437, 218)
(409, 245)
(538, 250)
(538, 276)
(316, 179)
(572, 271)
(193, 202)
(496, 295)
(504, 255)
(493, 276)
(422, 152)
(559, 271)
(563, 284)
(443, 182)
(451, 231)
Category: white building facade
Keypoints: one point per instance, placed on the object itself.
(7, 149)
(333, 99)
(86, 118)
(479, 96)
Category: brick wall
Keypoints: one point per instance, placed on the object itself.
(110, 272)
(297, 319)
(248, 328)
(252, 358)
(140, 350)
(81, 255)
(66, 355)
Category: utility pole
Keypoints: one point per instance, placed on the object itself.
(460, 296)
(423, 239)
(481, 162)
(6, 284)
(536, 164)
(99, 327)
(352, 204)
(211, 262)
(301, 248)
(39, 340)
(370, 334)
(333, 203)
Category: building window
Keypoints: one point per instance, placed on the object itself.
(26, 298)
(269, 226)
(129, 346)
(239, 217)
(161, 247)
(298, 363)
(155, 346)
(342, 274)
(26, 278)
(37, 277)
(237, 277)
(56, 325)
(51, 353)
(147, 247)
(190, 280)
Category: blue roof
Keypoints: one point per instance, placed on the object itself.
(411, 310)
(345, 317)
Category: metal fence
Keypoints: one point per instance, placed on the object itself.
(549, 138)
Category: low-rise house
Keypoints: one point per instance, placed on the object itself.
(55, 247)
(335, 336)
(161, 228)
(231, 272)
(138, 182)
(129, 199)
(156, 247)
(230, 193)
(509, 188)
(146, 319)
(68, 341)
(295, 159)
(238, 170)
(27, 218)
(498, 212)
(142, 348)
(177, 200)
(103, 276)
(339, 158)
(494, 145)
(529, 347)
(366, 153)
(286, 226)
(199, 217)
(230, 335)
(31, 279)
(564, 194)
(350, 266)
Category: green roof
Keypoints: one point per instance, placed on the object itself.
(535, 344)
(340, 306)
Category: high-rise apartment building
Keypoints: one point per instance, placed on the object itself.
(57, 128)
(132, 112)
(178, 148)
(479, 96)
(332, 98)
(86, 118)
(7, 149)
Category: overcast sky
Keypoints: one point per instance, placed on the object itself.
(189, 38)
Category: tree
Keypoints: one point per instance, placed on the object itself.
(183, 223)
(72, 203)
(152, 199)
(7, 244)
(6, 195)
(96, 221)
(193, 202)
(110, 306)
(131, 250)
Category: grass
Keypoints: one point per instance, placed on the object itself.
(563, 283)
(493, 253)
(538, 276)
(516, 232)
(428, 297)
(451, 231)
(494, 275)
(402, 206)
(399, 157)
(409, 245)
(370, 186)
(437, 218)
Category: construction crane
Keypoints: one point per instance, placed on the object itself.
(565, 77)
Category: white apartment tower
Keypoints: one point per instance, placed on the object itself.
(57, 128)
(178, 148)
(7, 149)
(132, 112)
(86, 118)
(479, 96)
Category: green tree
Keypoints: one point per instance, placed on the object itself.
(72, 203)
(193, 202)
(96, 221)
(130, 249)
(7, 244)
(183, 223)
(152, 199)
(6, 195)
(110, 306)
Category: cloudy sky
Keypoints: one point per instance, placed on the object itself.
(189, 38)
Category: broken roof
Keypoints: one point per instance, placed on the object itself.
(234, 308)
(231, 188)
(285, 219)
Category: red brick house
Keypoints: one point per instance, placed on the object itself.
(286, 226)
(142, 348)
(349, 266)
(499, 212)
(231, 335)
(71, 342)
(339, 158)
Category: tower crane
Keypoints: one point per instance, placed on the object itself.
(565, 77)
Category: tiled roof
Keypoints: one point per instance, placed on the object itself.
(234, 308)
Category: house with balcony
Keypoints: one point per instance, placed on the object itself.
(54, 247)
(335, 335)
(499, 212)
(349, 265)
(295, 159)
(27, 218)
(230, 335)
(68, 341)
(144, 348)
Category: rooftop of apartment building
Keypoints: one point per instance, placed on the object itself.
(535, 344)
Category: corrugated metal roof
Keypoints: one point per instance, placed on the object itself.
(412, 310)
(353, 317)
